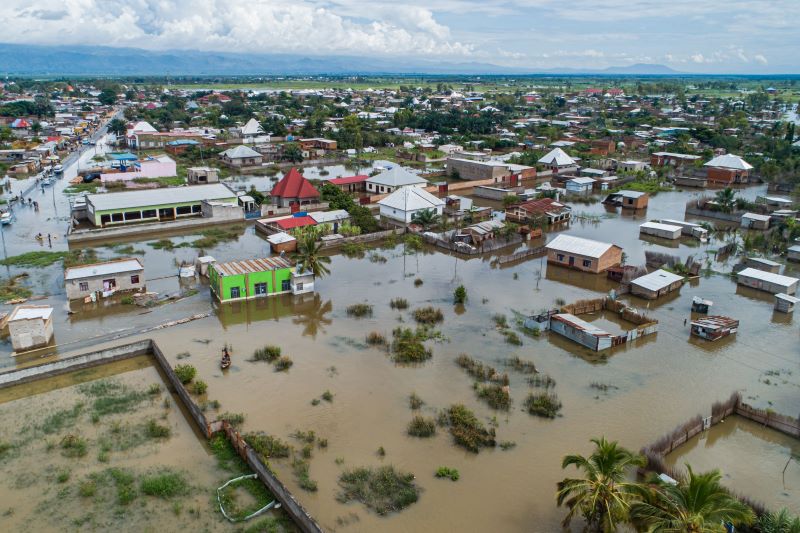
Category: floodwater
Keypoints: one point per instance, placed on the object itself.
(655, 383)
(751, 458)
(35, 499)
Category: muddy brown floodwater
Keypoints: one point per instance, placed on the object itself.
(761, 475)
(653, 384)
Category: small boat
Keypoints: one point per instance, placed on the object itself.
(226, 359)
(6, 218)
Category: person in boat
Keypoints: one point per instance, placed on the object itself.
(226, 358)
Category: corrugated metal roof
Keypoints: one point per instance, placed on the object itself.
(660, 226)
(249, 266)
(579, 246)
(149, 197)
(716, 322)
(756, 216)
(119, 266)
(657, 280)
(767, 276)
(577, 323)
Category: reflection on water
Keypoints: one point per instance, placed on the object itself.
(751, 459)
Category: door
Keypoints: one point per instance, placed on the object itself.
(571, 261)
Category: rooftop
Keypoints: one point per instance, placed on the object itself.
(657, 280)
(119, 266)
(397, 176)
(767, 276)
(249, 266)
(294, 185)
(579, 246)
(150, 197)
(582, 325)
(411, 199)
(31, 312)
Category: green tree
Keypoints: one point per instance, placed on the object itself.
(780, 522)
(426, 218)
(726, 198)
(117, 127)
(603, 495)
(696, 504)
(460, 295)
(107, 97)
(292, 153)
(350, 134)
(309, 258)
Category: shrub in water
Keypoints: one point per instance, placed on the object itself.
(157, 431)
(283, 363)
(200, 387)
(268, 353)
(460, 295)
(421, 427)
(428, 315)
(398, 303)
(466, 429)
(375, 338)
(544, 404)
(444, 471)
(359, 310)
(384, 489)
(185, 373)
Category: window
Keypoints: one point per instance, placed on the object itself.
(149, 213)
(105, 219)
(135, 279)
(234, 292)
(560, 257)
(261, 288)
(285, 285)
(83, 286)
(587, 263)
(299, 286)
(183, 210)
(133, 215)
(116, 217)
(196, 208)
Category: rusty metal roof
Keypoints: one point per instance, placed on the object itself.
(249, 266)
(577, 323)
(716, 322)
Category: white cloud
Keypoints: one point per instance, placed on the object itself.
(262, 26)
(760, 59)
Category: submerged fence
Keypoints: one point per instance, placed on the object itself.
(302, 519)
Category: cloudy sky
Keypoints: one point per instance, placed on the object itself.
(710, 36)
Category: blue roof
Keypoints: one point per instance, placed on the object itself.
(123, 156)
(183, 142)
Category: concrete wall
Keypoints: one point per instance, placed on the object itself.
(95, 283)
(612, 257)
(221, 211)
(30, 334)
(475, 170)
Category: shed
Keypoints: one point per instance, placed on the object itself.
(628, 199)
(202, 263)
(30, 327)
(763, 264)
(689, 229)
(755, 221)
(281, 242)
(793, 253)
(714, 327)
(581, 331)
(785, 303)
(701, 305)
(767, 281)
(583, 254)
(579, 185)
(121, 275)
(656, 284)
(664, 231)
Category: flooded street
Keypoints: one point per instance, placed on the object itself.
(646, 387)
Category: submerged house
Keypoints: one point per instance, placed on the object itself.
(30, 326)
(583, 254)
(663, 231)
(628, 199)
(119, 275)
(403, 204)
(533, 211)
(256, 278)
(767, 281)
(728, 169)
(581, 331)
(656, 284)
(714, 327)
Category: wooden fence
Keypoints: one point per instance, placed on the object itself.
(530, 252)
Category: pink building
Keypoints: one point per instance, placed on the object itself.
(160, 166)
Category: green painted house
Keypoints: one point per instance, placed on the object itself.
(255, 278)
(153, 205)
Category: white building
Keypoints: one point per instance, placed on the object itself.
(393, 179)
(111, 276)
(30, 326)
(557, 159)
(404, 203)
(767, 281)
(253, 133)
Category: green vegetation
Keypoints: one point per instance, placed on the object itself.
(467, 431)
(61, 419)
(157, 431)
(521, 366)
(200, 387)
(460, 295)
(300, 469)
(414, 401)
(543, 404)
(283, 364)
(398, 303)
(259, 497)
(74, 446)
(327, 396)
(359, 310)
(375, 338)
(185, 373)
(384, 489)
(353, 249)
(496, 396)
(480, 371)
(447, 472)
(407, 346)
(421, 427)
(10, 289)
(418, 282)
(165, 484)
(163, 244)
(309, 257)
(38, 259)
(268, 353)
(227, 457)
(234, 419)
(267, 446)
(428, 315)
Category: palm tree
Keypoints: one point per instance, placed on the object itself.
(780, 522)
(696, 504)
(603, 495)
(309, 259)
(726, 199)
(426, 218)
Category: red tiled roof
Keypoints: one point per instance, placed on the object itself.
(294, 185)
(295, 222)
(347, 180)
(541, 205)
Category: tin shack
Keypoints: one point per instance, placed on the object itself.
(785, 303)
(580, 331)
(664, 231)
(655, 284)
(767, 281)
(713, 328)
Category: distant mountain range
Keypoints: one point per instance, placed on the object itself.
(31, 60)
